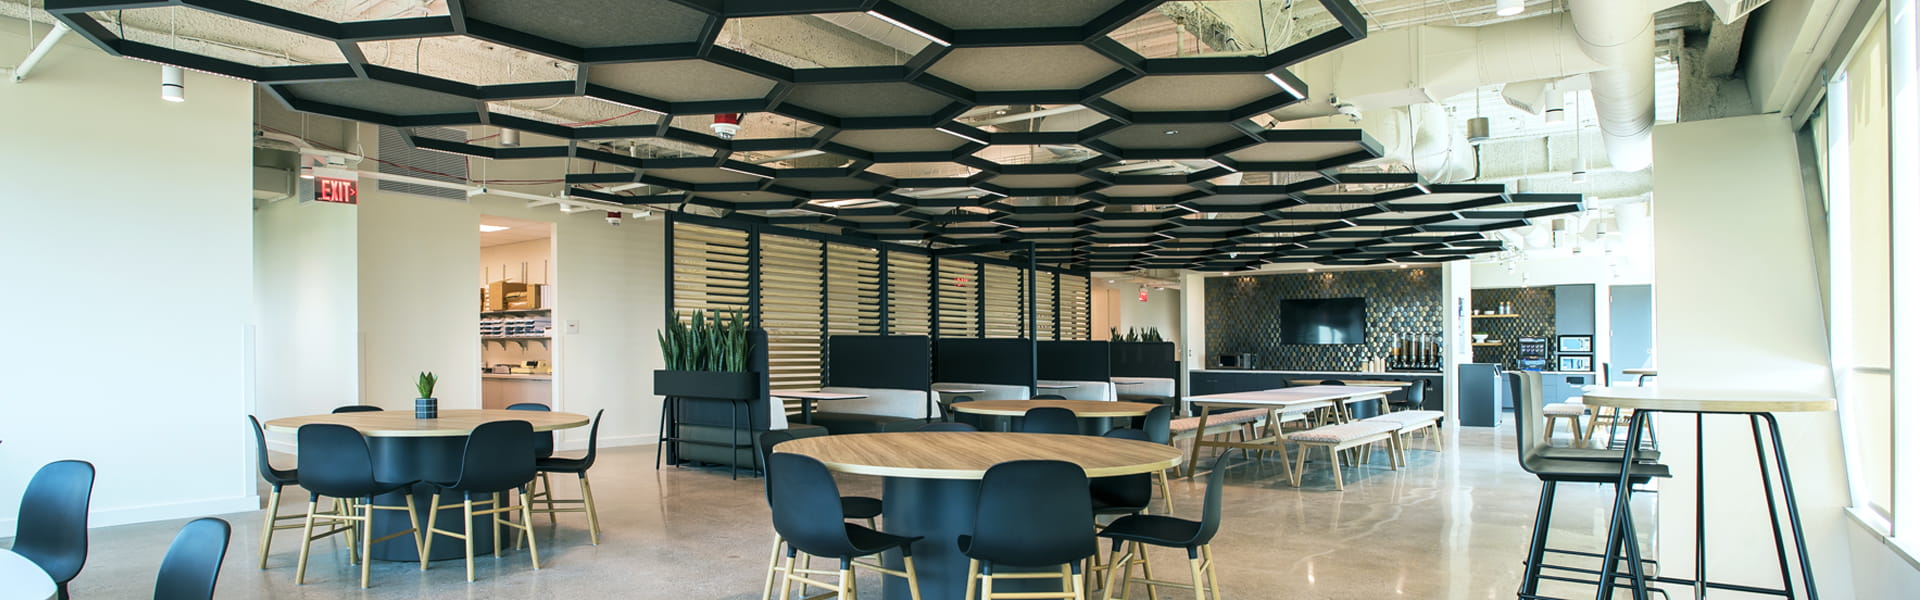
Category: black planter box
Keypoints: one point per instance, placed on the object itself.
(714, 385)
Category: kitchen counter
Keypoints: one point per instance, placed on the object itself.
(527, 376)
(1335, 373)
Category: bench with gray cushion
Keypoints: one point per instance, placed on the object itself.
(1081, 390)
(1410, 421)
(1336, 438)
(883, 410)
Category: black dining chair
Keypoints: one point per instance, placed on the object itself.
(577, 467)
(52, 526)
(334, 461)
(1134, 532)
(542, 487)
(192, 565)
(1031, 513)
(277, 479)
(1332, 382)
(498, 460)
(1119, 495)
(806, 507)
(963, 427)
(946, 406)
(1159, 427)
(354, 408)
(851, 507)
(1049, 419)
(1049, 397)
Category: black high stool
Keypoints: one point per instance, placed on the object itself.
(1134, 532)
(808, 515)
(1532, 451)
(1031, 513)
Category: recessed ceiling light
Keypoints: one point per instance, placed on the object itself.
(1508, 8)
(1171, 132)
(484, 228)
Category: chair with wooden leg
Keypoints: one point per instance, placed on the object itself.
(1132, 534)
(541, 490)
(1050, 419)
(279, 479)
(335, 462)
(191, 568)
(354, 408)
(1118, 496)
(1031, 514)
(51, 529)
(498, 461)
(577, 467)
(807, 514)
(859, 508)
(1159, 427)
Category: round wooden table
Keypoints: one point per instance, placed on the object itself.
(24, 579)
(932, 480)
(1095, 415)
(1759, 407)
(405, 448)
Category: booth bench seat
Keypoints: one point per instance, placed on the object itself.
(883, 410)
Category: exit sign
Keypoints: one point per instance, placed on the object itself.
(342, 191)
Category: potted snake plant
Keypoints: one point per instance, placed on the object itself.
(707, 356)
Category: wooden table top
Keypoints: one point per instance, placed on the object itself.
(1641, 371)
(817, 395)
(1708, 400)
(1292, 396)
(1085, 409)
(24, 579)
(397, 423)
(968, 455)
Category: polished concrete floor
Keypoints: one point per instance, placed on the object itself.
(1453, 525)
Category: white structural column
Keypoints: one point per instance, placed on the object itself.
(1456, 289)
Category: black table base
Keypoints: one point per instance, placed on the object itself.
(942, 510)
(1622, 530)
(422, 458)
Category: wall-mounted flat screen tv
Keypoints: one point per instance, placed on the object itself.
(1323, 321)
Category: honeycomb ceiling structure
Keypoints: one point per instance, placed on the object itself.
(1109, 135)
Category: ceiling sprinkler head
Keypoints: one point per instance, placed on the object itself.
(726, 125)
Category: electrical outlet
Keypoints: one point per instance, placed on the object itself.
(573, 327)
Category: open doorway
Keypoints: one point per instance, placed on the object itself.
(517, 299)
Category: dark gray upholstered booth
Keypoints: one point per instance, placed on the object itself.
(894, 371)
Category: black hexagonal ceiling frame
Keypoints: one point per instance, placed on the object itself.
(1093, 214)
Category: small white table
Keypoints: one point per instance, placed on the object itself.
(22, 579)
(807, 399)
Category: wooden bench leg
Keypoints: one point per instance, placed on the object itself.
(1334, 462)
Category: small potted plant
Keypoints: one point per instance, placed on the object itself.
(425, 406)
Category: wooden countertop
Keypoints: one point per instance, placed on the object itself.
(1710, 400)
(397, 423)
(968, 455)
(1085, 409)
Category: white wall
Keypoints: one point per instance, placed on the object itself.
(419, 309)
(128, 222)
(1737, 306)
(1122, 306)
(306, 285)
(505, 261)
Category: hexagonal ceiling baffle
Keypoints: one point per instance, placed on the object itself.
(1088, 128)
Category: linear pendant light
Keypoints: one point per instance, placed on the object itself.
(1508, 8)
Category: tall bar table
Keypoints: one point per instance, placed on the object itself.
(1758, 406)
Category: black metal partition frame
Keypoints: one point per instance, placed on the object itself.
(900, 362)
(1073, 360)
(1002, 361)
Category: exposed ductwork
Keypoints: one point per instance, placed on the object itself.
(1609, 40)
(1619, 34)
(1420, 136)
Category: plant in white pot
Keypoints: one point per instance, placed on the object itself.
(425, 406)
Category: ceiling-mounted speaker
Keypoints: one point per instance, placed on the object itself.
(1479, 129)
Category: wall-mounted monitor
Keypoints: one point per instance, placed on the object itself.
(1323, 321)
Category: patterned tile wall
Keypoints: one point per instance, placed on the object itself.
(1243, 315)
(1535, 308)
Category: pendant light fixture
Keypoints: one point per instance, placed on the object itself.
(510, 138)
(173, 84)
(1508, 8)
(1478, 127)
(1579, 174)
(1556, 106)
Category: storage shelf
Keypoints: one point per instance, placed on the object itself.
(515, 338)
(1495, 316)
(1487, 344)
(516, 311)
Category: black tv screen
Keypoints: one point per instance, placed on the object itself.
(1323, 321)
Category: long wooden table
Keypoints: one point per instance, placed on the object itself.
(933, 480)
(1278, 402)
(408, 449)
